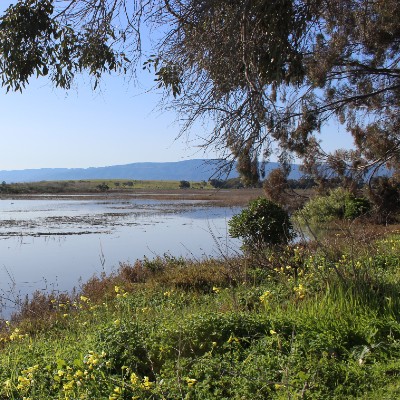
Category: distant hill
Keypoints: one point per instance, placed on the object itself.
(190, 170)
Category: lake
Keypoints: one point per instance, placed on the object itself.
(54, 244)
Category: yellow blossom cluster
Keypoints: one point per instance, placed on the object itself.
(16, 335)
(93, 359)
(300, 291)
(120, 292)
(264, 298)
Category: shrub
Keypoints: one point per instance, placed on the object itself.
(339, 204)
(261, 223)
(184, 185)
(103, 187)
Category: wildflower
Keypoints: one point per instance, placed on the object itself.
(191, 381)
(23, 382)
(116, 394)
(85, 299)
(216, 289)
(117, 322)
(146, 384)
(278, 386)
(68, 386)
(167, 294)
(7, 384)
(300, 291)
(78, 374)
(265, 296)
(272, 332)
(233, 338)
(16, 335)
(134, 378)
(117, 289)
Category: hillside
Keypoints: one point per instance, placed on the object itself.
(191, 170)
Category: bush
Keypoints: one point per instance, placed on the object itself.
(339, 204)
(103, 187)
(184, 185)
(261, 223)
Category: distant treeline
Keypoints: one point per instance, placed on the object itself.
(236, 183)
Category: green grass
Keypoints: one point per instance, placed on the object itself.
(285, 328)
(81, 186)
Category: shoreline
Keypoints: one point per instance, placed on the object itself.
(222, 197)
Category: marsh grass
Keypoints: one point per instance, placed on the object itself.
(288, 327)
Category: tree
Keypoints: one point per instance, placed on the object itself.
(266, 72)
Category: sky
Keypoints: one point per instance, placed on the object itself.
(119, 123)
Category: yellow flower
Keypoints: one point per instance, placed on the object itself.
(191, 381)
(7, 384)
(134, 378)
(300, 291)
(233, 338)
(69, 386)
(117, 289)
(265, 296)
(272, 332)
(23, 382)
(146, 384)
(78, 374)
(84, 299)
(216, 289)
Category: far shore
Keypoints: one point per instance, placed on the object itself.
(223, 197)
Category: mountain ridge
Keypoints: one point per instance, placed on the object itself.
(190, 170)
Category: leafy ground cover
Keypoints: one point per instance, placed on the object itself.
(297, 322)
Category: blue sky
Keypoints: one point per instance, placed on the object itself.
(120, 123)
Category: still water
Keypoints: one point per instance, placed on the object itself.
(56, 244)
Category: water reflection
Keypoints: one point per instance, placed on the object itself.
(51, 244)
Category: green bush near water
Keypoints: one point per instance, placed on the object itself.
(261, 224)
(338, 204)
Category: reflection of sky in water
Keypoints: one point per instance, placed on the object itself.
(145, 228)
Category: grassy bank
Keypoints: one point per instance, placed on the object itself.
(94, 185)
(117, 188)
(301, 322)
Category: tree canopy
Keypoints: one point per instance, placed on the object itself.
(265, 72)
